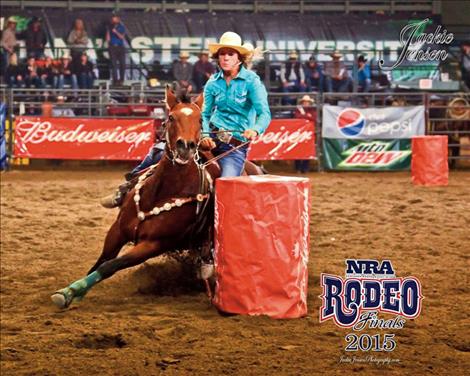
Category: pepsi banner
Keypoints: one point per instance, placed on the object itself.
(367, 155)
(364, 139)
(372, 123)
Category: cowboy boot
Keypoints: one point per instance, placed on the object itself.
(116, 199)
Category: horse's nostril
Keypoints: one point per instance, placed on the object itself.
(192, 145)
(180, 144)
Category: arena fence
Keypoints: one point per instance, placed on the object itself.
(256, 6)
(446, 114)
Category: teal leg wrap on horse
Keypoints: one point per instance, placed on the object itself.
(82, 286)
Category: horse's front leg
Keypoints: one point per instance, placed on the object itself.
(77, 290)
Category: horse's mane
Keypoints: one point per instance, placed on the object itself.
(183, 98)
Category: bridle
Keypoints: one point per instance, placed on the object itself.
(171, 154)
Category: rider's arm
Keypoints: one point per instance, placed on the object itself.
(259, 98)
(207, 108)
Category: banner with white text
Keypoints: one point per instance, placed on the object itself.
(366, 155)
(83, 138)
(285, 139)
(130, 139)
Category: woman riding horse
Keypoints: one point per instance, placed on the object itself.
(235, 101)
(158, 212)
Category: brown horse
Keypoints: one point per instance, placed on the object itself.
(170, 207)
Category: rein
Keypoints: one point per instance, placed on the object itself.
(224, 154)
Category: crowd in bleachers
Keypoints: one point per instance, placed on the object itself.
(76, 71)
(40, 70)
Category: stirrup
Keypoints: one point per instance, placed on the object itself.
(111, 201)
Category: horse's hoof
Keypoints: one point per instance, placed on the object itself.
(62, 298)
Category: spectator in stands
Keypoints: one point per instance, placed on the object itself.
(363, 74)
(314, 75)
(61, 109)
(8, 43)
(15, 74)
(305, 110)
(292, 77)
(35, 39)
(156, 73)
(116, 37)
(65, 74)
(336, 75)
(465, 63)
(84, 72)
(32, 74)
(47, 72)
(203, 69)
(183, 72)
(77, 40)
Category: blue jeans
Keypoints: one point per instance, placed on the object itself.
(233, 163)
(60, 80)
(338, 86)
(302, 165)
(154, 155)
(296, 88)
(85, 80)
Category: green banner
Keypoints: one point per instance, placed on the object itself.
(366, 155)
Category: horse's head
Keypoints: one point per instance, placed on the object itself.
(183, 126)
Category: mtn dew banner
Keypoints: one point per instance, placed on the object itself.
(360, 155)
(364, 139)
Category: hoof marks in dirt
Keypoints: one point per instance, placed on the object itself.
(165, 362)
(10, 353)
(101, 341)
(459, 346)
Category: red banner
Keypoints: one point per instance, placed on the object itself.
(130, 139)
(83, 138)
(285, 139)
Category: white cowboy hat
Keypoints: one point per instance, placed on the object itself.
(12, 20)
(293, 55)
(184, 54)
(232, 40)
(336, 54)
(306, 98)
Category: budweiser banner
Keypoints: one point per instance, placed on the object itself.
(372, 123)
(285, 139)
(366, 155)
(125, 139)
(83, 138)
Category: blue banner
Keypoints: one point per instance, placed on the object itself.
(3, 144)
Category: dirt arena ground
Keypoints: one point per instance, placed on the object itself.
(144, 321)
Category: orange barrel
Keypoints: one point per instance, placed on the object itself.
(262, 245)
(429, 160)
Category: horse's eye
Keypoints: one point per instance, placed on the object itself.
(171, 118)
(200, 120)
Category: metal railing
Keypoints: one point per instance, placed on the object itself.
(445, 113)
(255, 6)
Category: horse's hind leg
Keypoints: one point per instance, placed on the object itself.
(77, 290)
(113, 243)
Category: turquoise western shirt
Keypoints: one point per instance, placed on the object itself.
(241, 105)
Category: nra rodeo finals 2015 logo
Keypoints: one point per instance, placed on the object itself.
(370, 287)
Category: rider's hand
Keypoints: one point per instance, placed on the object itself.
(207, 143)
(250, 134)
